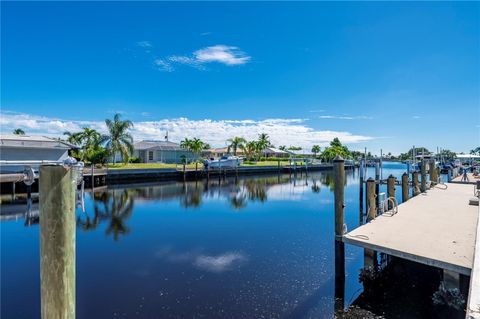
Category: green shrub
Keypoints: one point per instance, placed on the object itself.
(134, 160)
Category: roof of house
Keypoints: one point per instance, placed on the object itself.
(33, 141)
(273, 150)
(157, 145)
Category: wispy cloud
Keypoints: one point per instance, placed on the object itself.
(144, 44)
(225, 54)
(215, 132)
(222, 54)
(205, 33)
(416, 117)
(163, 65)
(345, 117)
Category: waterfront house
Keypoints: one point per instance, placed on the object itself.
(275, 152)
(33, 149)
(221, 151)
(161, 152)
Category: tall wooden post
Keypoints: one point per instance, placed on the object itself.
(339, 175)
(371, 204)
(361, 171)
(433, 172)
(423, 172)
(405, 194)
(57, 242)
(416, 188)
(13, 192)
(377, 182)
(390, 189)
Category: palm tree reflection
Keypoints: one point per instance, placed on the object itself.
(116, 206)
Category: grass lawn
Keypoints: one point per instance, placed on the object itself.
(267, 163)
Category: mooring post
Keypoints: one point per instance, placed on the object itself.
(278, 164)
(377, 182)
(371, 204)
(416, 188)
(423, 172)
(339, 194)
(390, 190)
(449, 175)
(360, 167)
(57, 242)
(13, 192)
(405, 194)
(339, 191)
(433, 172)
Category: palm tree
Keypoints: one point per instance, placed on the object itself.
(185, 143)
(249, 149)
(262, 143)
(235, 143)
(195, 145)
(119, 139)
(315, 150)
(75, 139)
(90, 140)
(18, 131)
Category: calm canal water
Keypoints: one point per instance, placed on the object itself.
(252, 247)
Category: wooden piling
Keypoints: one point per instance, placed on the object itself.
(390, 189)
(13, 192)
(360, 168)
(405, 194)
(433, 172)
(339, 303)
(371, 204)
(57, 242)
(339, 175)
(416, 188)
(423, 172)
(377, 182)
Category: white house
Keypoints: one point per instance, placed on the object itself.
(161, 152)
(34, 149)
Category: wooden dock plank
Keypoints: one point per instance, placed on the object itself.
(437, 228)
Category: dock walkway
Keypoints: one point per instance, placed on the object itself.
(471, 179)
(437, 228)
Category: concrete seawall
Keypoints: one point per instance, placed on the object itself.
(125, 175)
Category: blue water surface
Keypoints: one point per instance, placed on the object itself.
(246, 247)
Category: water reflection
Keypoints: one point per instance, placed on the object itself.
(115, 207)
(246, 247)
(116, 204)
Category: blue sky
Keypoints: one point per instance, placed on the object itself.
(376, 74)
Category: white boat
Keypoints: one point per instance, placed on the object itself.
(223, 162)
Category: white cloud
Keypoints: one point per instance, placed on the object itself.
(215, 132)
(229, 55)
(345, 117)
(224, 54)
(144, 44)
(163, 65)
(416, 117)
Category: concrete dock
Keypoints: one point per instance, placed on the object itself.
(471, 179)
(437, 228)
